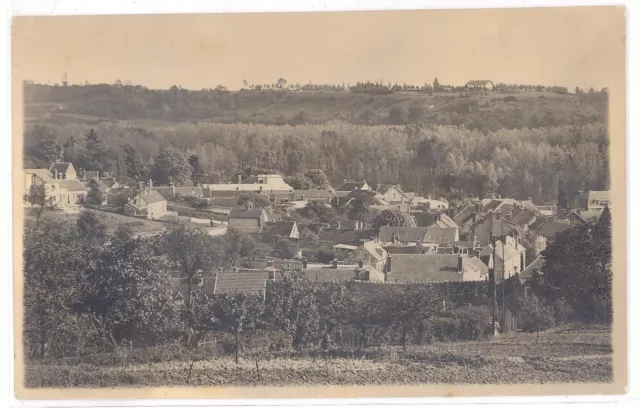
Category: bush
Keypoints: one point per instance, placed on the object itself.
(562, 311)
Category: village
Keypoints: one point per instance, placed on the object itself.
(436, 242)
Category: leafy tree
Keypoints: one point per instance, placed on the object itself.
(318, 179)
(237, 313)
(134, 164)
(127, 296)
(316, 211)
(94, 196)
(53, 286)
(284, 249)
(410, 306)
(240, 246)
(578, 264)
(436, 85)
(47, 152)
(535, 316)
(70, 150)
(300, 182)
(40, 202)
(197, 170)
(281, 83)
(194, 252)
(91, 230)
(259, 201)
(171, 166)
(292, 307)
(391, 218)
(95, 156)
(358, 209)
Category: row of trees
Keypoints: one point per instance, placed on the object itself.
(369, 103)
(539, 163)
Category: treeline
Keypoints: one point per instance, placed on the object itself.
(546, 164)
(368, 103)
(86, 292)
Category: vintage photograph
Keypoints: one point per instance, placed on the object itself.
(399, 198)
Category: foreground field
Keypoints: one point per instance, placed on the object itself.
(570, 355)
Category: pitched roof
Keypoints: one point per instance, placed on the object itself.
(538, 223)
(186, 191)
(553, 228)
(476, 264)
(384, 189)
(297, 194)
(465, 214)
(344, 235)
(152, 197)
(352, 185)
(375, 250)
(440, 236)
(90, 174)
(42, 174)
(60, 167)
(424, 219)
(478, 82)
(523, 218)
(72, 185)
(101, 186)
(537, 263)
(278, 264)
(330, 274)
(425, 268)
(509, 251)
(109, 182)
(444, 221)
(255, 213)
(598, 196)
(279, 228)
(246, 282)
(590, 215)
(404, 234)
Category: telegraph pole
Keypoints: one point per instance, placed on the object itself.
(493, 287)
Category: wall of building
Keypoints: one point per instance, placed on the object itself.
(250, 225)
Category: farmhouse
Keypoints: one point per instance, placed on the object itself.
(148, 203)
(483, 84)
(402, 235)
(391, 194)
(248, 219)
(282, 229)
(321, 196)
(264, 183)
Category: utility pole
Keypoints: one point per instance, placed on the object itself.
(493, 287)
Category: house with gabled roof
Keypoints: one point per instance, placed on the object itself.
(372, 254)
(510, 257)
(402, 235)
(392, 194)
(480, 84)
(548, 231)
(63, 171)
(148, 203)
(441, 236)
(72, 192)
(248, 219)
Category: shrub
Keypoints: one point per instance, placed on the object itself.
(562, 311)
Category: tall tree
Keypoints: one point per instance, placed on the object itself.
(134, 164)
(392, 218)
(171, 166)
(198, 172)
(317, 178)
(237, 313)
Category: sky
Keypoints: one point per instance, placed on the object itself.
(555, 46)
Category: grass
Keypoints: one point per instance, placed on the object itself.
(582, 355)
(113, 221)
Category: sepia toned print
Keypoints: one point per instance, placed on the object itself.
(389, 208)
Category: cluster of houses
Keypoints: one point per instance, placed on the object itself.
(442, 243)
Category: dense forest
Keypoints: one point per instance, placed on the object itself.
(548, 162)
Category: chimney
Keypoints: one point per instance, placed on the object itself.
(334, 264)
(360, 264)
(55, 174)
(460, 263)
(338, 224)
(393, 238)
(304, 264)
(475, 242)
(239, 178)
